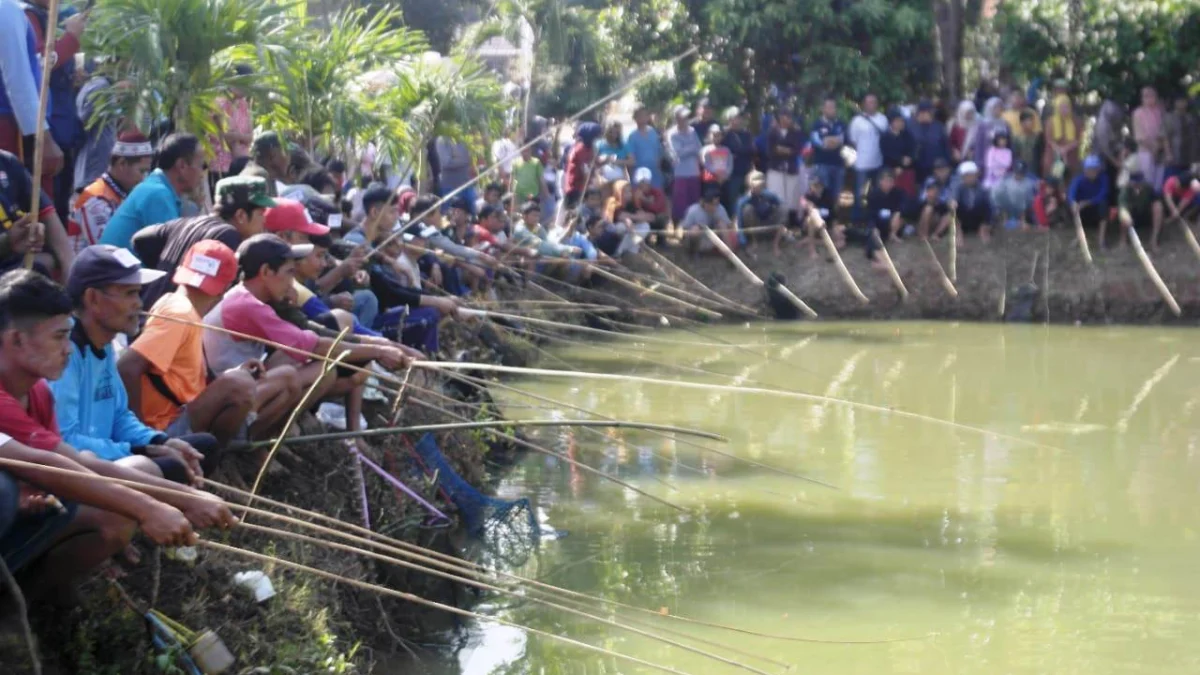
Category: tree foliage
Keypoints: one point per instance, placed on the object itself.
(1111, 47)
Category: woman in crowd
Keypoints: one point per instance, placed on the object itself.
(684, 148)
(1063, 135)
(898, 149)
(613, 157)
(962, 132)
(992, 122)
(1148, 132)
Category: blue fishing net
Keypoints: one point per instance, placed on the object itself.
(505, 523)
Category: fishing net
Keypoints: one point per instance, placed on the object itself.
(508, 527)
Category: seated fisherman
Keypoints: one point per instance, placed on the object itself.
(884, 215)
(268, 266)
(240, 205)
(970, 205)
(467, 271)
(1138, 207)
(530, 233)
(759, 208)
(35, 327)
(1088, 193)
(89, 398)
(166, 378)
(17, 231)
(708, 211)
(819, 206)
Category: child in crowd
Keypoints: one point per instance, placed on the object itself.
(717, 159)
(999, 159)
(1049, 207)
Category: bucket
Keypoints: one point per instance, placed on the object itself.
(211, 655)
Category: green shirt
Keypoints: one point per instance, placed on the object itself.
(527, 178)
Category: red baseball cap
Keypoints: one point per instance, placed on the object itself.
(289, 215)
(208, 266)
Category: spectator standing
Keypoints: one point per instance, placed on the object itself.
(1028, 142)
(1018, 105)
(1063, 135)
(716, 159)
(742, 151)
(865, 133)
(1151, 141)
(828, 139)
(786, 176)
(157, 199)
(646, 146)
(235, 128)
(504, 151)
(898, 149)
(992, 122)
(527, 178)
(96, 203)
(20, 78)
(931, 141)
(1182, 138)
(93, 158)
(269, 161)
(962, 132)
(1108, 141)
(580, 160)
(705, 118)
(684, 147)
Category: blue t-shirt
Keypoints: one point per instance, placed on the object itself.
(152, 202)
(823, 129)
(647, 150)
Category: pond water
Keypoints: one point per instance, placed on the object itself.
(974, 553)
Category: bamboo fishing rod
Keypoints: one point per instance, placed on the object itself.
(954, 245)
(482, 585)
(328, 366)
(381, 590)
(495, 424)
(485, 367)
(590, 107)
(659, 259)
(946, 283)
(642, 290)
(836, 256)
(394, 379)
(741, 266)
(484, 314)
(679, 290)
(50, 37)
(1188, 235)
(1151, 272)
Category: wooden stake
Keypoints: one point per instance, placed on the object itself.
(837, 259)
(946, 283)
(39, 137)
(1151, 272)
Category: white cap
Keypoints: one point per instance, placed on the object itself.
(642, 175)
(967, 167)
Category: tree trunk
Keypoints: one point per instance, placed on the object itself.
(950, 25)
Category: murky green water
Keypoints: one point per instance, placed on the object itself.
(1081, 558)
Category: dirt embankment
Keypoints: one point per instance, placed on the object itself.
(1115, 289)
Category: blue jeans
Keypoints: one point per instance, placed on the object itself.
(366, 306)
(833, 176)
(861, 179)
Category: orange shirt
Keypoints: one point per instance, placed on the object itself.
(176, 354)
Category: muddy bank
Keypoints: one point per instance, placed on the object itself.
(1114, 290)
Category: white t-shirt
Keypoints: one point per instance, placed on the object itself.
(864, 135)
(504, 152)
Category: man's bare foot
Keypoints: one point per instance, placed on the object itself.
(879, 264)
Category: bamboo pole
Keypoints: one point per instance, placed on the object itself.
(741, 267)
(503, 591)
(39, 137)
(491, 424)
(891, 267)
(487, 314)
(649, 291)
(946, 283)
(381, 590)
(1081, 236)
(1152, 272)
(954, 246)
(1187, 234)
(837, 259)
(659, 259)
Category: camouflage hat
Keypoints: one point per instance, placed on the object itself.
(243, 191)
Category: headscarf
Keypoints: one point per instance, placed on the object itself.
(614, 203)
(990, 109)
(1062, 128)
(968, 122)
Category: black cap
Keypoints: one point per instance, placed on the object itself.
(102, 265)
(267, 140)
(322, 240)
(263, 249)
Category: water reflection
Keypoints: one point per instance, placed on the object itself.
(1022, 559)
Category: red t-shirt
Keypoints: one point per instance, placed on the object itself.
(577, 167)
(1181, 194)
(35, 426)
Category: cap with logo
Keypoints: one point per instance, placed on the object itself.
(102, 265)
(208, 266)
(264, 249)
(243, 192)
(289, 215)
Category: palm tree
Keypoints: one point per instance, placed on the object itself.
(179, 54)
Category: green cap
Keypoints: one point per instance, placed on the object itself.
(243, 191)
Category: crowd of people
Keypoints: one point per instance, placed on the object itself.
(166, 295)
(1012, 160)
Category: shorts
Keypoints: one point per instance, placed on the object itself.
(790, 188)
(24, 538)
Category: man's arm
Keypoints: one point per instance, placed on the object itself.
(16, 71)
(131, 367)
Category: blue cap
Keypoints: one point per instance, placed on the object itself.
(1092, 163)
